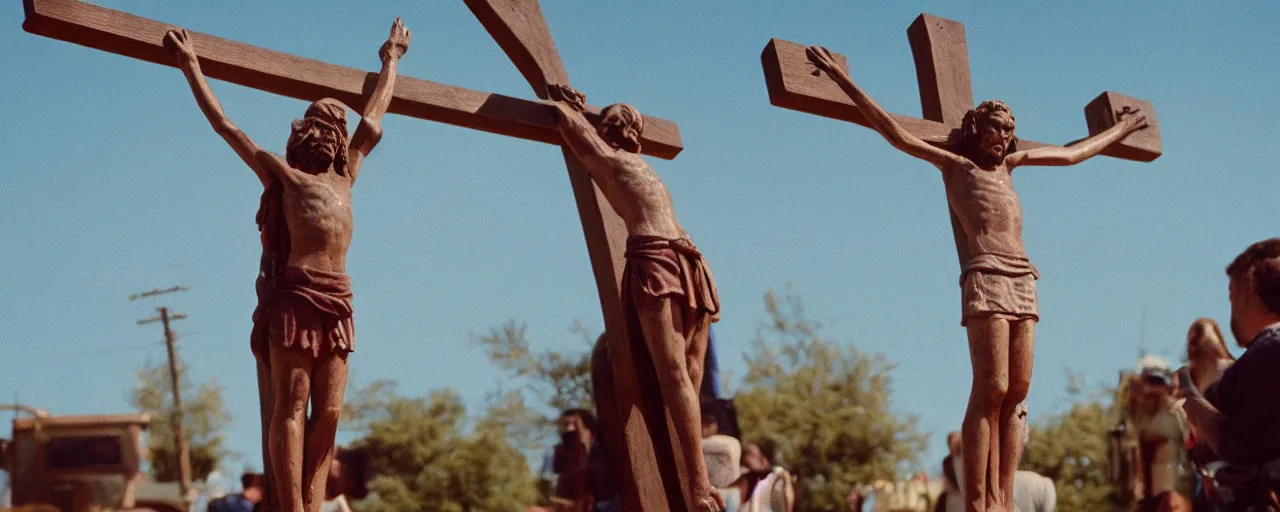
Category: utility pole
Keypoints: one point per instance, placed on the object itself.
(179, 422)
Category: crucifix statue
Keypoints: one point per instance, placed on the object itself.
(668, 293)
(976, 160)
(657, 319)
(302, 329)
(646, 461)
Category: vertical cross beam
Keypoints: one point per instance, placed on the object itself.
(942, 70)
(641, 447)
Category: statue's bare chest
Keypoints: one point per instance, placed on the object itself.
(980, 189)
(319, 202)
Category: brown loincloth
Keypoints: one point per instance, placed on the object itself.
(659, 268)
(309, 309)
(1000, 286)
(306, 308)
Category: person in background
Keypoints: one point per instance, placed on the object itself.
(1207, 354)
(573, 491)
(723, 455)
(1161, 433)
(1207, 358)
(770, 488)
(857, 498)
(1238, 417)
(952, 497)
(1033, 492)
(346, 481)
(251, 493)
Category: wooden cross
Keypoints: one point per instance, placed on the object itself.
(646, 458)
(645, 455)
(942, 70)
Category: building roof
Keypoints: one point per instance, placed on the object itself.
(97, 420)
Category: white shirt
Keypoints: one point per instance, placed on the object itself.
(1034, 493)
(1031, 491)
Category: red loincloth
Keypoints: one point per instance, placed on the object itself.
(308, 308)
(1001, 286)
(660, 268)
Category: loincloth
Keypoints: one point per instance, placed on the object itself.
(1000, 286)
(661, 268)
(305, 308)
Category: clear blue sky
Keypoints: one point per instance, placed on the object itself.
(114, 184)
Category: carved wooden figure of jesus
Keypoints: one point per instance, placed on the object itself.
(668, 293)
(303, 326)
(998, 282)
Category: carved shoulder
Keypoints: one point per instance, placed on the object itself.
(275, 165)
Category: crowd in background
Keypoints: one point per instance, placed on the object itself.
(1203, 437)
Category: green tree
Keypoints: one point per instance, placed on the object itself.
(204, 414)
(555, 380)
(426, 458)
(826, 408)
(1073, 449)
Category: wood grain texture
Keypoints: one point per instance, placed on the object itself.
(633, 416)
(794, 83)
(307, 79)
(521, 31)
(637, 402)
(1142, 145)
(941, 54)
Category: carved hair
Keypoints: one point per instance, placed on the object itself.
(1205, 327)
(330, 116)
(1259, 267)
(621, 125)
(967, 137)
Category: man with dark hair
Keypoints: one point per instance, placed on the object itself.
(1239, 416)
(570, 461)
(244, 501)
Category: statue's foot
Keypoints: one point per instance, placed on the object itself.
(708, 500)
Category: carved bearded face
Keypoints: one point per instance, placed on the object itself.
(621, 126)
(995, 133)
(318, 139)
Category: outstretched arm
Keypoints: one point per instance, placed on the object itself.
(180, 44)
(876, 115)
(369, 133)
(577, 131)
(1130, 121)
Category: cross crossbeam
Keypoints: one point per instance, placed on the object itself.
(646, 461)
(941, 56)
(307, 79)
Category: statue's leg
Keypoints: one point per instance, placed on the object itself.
(662, 325)
(328, 382)
(1021, 359)
(989, 356)
(291, 372)
(696, 349)
(266, 409)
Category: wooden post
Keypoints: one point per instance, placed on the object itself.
(642, 445)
